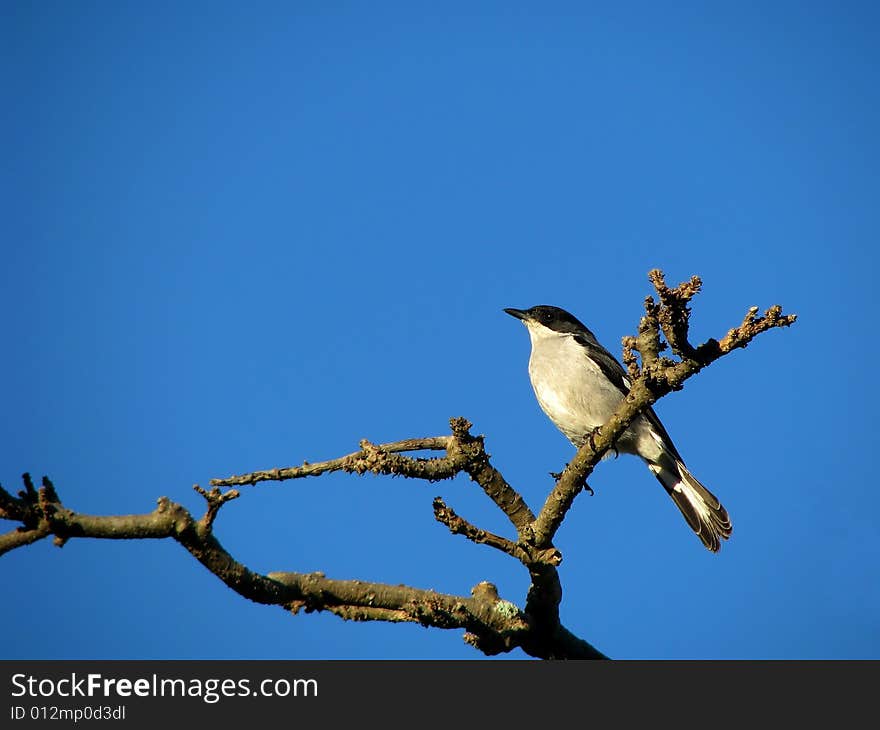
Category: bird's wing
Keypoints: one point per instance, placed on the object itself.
(607, 363)
(615, 372)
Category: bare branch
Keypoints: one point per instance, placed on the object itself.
(674, 312)
(459, 526)
(464, 453)
(484, 614)
(371, 457)
(750, 328)
(498, 624)
(472, 451)
(630, 359)
(19, 509)
(20, 537)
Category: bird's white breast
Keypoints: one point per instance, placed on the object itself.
(571, 389)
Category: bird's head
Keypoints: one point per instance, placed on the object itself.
(545, 319)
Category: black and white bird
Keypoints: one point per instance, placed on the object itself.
(579, 385)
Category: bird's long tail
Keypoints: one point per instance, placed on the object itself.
(702, 510)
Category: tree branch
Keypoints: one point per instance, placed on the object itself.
(496, 622)
(378, 459)
(459, 526)
(464, 453)
(491, 624)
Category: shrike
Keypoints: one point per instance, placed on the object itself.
(579, 385)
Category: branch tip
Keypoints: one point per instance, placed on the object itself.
(29, 491)
(485, 591)
(460, 427)
(215, 499)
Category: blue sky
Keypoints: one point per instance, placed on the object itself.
(239, 236)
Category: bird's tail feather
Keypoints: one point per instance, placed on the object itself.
(702, 509)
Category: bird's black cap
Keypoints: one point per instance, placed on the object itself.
(550, 317)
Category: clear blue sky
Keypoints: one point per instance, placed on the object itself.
(241, 235)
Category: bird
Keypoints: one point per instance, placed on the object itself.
(579, 384)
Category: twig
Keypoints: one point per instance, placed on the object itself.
(371, 457)
(460, 526)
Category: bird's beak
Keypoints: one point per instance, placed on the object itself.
(518, 313)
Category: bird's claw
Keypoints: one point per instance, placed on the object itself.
(557, 475)
(589, 439)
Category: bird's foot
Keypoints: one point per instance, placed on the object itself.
(588, 488)
(557, 475)
(589, 439)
